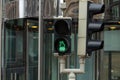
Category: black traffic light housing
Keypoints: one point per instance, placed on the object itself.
(62, 36)
(94, 27)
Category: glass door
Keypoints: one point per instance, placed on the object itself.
(20, 56)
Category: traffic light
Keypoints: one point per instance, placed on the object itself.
(94, 26)
(62, 35)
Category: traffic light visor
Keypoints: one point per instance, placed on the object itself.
(95, 27)
(95, 44)
(96, 8)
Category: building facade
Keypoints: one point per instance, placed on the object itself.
(28, 55)
(111, 37)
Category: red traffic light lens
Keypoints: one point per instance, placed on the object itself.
(62, 27)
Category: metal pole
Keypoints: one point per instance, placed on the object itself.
(80, 70)
(71, 76)
(0, 35)
(40, 41)
(110, 65)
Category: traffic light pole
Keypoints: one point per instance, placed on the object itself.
(86, 44)
(0, 35)
(72, 72)
(80, 70)
(82, 25)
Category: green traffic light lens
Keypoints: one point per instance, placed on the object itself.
(61, 45)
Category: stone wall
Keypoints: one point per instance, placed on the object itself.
(72, 8)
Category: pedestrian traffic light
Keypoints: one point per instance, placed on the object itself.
(62, 35)
(94, 26)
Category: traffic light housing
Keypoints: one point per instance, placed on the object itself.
(62, 35)
(93, 26)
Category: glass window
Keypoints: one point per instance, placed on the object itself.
(14, 43)
(112, 9)
(32, 49)
(110, 69)
(14, 53)
(20, 55)
(115, 66)
(115, 12)
(111, 66)
(115, 0)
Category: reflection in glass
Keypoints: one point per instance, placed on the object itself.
(14, 50)
(32, 41)
(14, 45)
(21, 49)
(115, 11)
(111, 66)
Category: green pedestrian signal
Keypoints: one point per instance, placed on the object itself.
(61, 46)
(62, 35)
